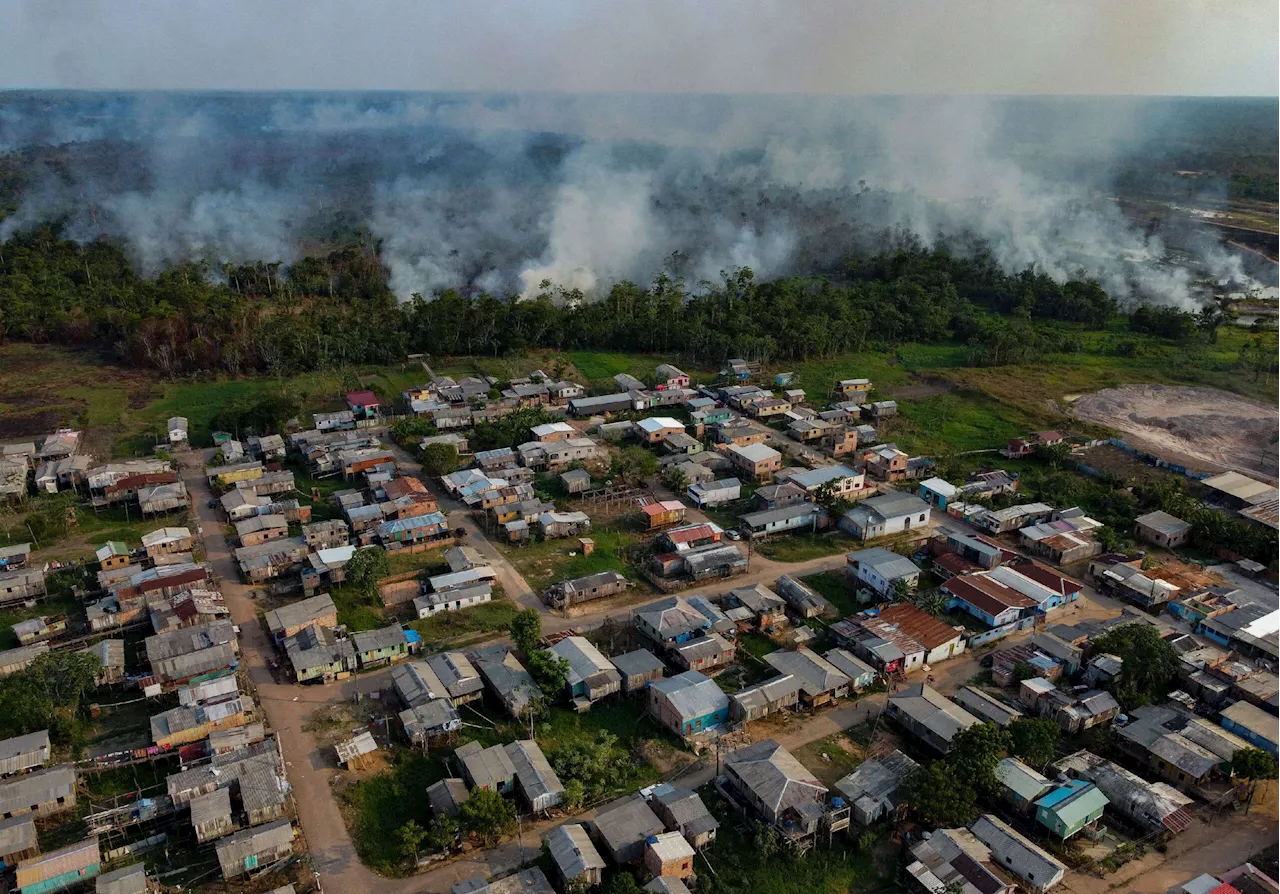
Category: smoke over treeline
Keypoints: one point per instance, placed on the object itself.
(498, 194)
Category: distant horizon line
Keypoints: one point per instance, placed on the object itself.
(365, 91)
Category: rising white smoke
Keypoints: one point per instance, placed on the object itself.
(500, 193)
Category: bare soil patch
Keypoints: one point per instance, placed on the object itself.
(1206, 429)
(921, 388)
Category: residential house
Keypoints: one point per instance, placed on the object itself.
(796, 517)
(14, 660)
(843, 481)
(327, 534)
(1070, 808)
(601, 405)
(1179, 747)
(452, 599)
(40, 793)
(638, 669)
(803, 600)
(487, 768)
(924, 713)
(881, 570)
(940, 640)
(22, 753)
(21, 584)
(1162, 529)
(578, 590)
(129, 880)
(668, 376)
(1012, 518)
(576, 481)
(754, 461)
(40, 628)
(59, 870)
(1019, 784)
(552, 431)
(688, 704)
(1149, 808)
(874, 788)
(938, 493)
(375, 648)
(777, 788)
(861, 675)
(574, 855)
(883, 646)
(112, 555)
(623, 826)
(553, 525)
(315, 653)
(460, 679)
(887, 463)
(654, 429)
(714, 493)
(14, 556)
(363, 404)
(18, 840)
(953, 860)
(736, 433)
(247, 851)
(536, 783)
(506, 678)
(986, 708)
(167, 541)
(986, 599)
(192, 651)
(820, 681)
(1103, 670)
(668, 855)
(447, 796)
(703, 653)
(261, 528)
(682, 811)
(591, 676)
(854, 390)
(211, 815)
(1071, 658)
(769, 697)
(768, 408)
(671, 620)
(1251, 724)
(663, 513)
(1017, 855)
(767, 608)
(889, 513)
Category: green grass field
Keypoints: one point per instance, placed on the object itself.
(549, 561)
(803, 547)
(831, 585)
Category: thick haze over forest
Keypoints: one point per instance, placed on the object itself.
(686, 166)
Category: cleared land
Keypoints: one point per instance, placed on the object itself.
(1212, 429)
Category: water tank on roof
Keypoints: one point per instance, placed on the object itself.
(837, 803)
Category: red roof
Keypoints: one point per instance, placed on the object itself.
(954, 564)
(173, 580)
(1049, 437)
(1047, 577)
(362, 399)
(691, 533)
(921, 626)
(1225, 888)
(403, 487)
(986, 594)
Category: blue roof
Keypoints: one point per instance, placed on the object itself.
(1060, 794)
(412, 635)
(1042, 661)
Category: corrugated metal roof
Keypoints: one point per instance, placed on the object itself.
(692, 694)
(572, 850)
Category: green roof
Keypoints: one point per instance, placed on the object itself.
(1075, 810)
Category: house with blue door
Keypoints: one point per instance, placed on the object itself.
(1252, 724)
(688, 704)
(938, 493)
(1070, 807)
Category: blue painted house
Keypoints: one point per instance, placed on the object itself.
(938, 493)
(1252, 724)
(688, 704)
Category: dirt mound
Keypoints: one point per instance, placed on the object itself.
(1206, 429)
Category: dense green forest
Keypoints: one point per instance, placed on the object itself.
(326, 312)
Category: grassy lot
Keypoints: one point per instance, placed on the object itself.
(549, 561)
(486, 618)
(757, 644)
(842, 756)
(55, 539)
(64, 604)
(430, 562)
(803, 547)
(832, 585)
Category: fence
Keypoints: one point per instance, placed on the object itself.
(1156, 461)
(995, 633)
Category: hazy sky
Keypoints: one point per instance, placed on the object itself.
(736, 46)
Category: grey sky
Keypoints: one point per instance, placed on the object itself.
(1210, 47)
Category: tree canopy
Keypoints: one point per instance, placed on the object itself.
(1150, 664)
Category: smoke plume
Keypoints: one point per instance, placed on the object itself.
(502, 193)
